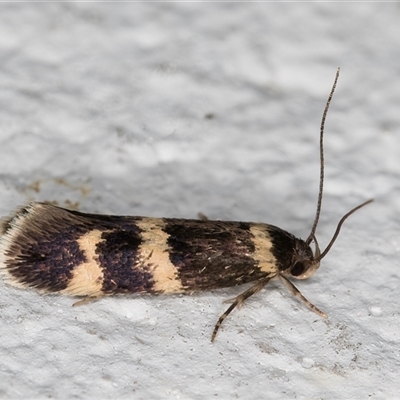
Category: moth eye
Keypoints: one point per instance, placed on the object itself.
(298, 268)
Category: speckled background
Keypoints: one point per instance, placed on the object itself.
(170, 109)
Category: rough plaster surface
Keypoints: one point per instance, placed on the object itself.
(170, 109)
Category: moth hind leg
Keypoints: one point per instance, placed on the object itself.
(238, 301)
(86, 300)
(202, 217)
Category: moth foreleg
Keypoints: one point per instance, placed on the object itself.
(296, 292)
(238, 301)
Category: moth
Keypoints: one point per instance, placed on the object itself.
(56, 250)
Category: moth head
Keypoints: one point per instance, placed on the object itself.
(304, 262)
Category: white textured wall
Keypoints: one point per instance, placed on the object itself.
(103, 106)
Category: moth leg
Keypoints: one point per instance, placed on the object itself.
(296, 292)
(86, 300)
(238, 301)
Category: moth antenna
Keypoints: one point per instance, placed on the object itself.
(311, 236)
(317, 249)
(336, 234)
